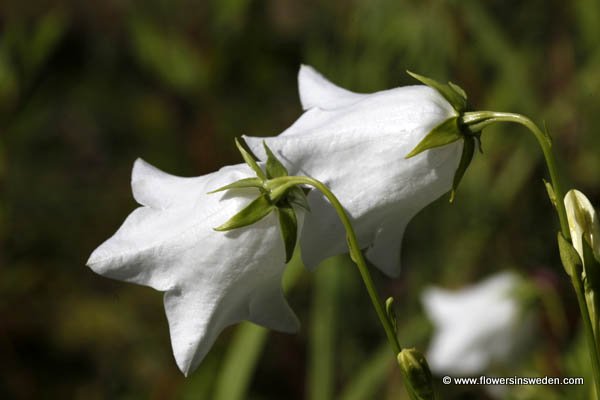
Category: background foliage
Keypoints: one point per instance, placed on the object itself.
(86, 87)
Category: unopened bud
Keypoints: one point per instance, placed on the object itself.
(417, 374)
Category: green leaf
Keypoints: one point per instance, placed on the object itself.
(250, 160)
(241, 184)
(458, 90)
(297, 196)
(288, 225)
(453, 93)
(443, 134)
(465, 161)
(275, 168)
(253, 212)
(477, 137)
(569, 257)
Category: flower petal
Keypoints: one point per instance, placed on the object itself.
(270, 308)
(384, 252)
(316, 91)
(357, 149)
(194, 325)
(146, 248)
(211, 279)
(153, 188)
(371, 185)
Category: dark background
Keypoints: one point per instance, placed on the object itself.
(86, 87)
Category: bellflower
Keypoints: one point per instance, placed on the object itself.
(475, 327)
(356, 144)
(211, 279)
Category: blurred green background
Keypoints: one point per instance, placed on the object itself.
(86, 87)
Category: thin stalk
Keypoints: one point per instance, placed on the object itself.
(277, 187)
(478, 120)
(589, 333)
(546, 145)
(355, 254)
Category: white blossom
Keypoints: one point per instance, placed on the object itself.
(211, 279)
(475, 327)
(356, 144)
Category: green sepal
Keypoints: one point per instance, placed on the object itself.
(550, 191)
(297, 196)
(288, 225)
(275, 168)
(445, 133)
(465, 160)
(253, 212)
(241, 184)
(389, 309)
(570, 258)
(477, 137)
(459, 90)
(417, 373)
(250, 160)
(453, 93)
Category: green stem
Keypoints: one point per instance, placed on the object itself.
(355, 254)
(478, 120)
(490, 117)
(589, 332)
(277, 187)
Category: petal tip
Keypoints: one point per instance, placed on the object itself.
(316, 91)
(94, 259)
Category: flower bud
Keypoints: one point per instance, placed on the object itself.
(417, 374)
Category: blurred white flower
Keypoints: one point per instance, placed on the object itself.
(583, 222)
(210, 279)
(476, 327)
(356, 144)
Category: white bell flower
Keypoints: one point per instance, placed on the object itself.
(583, 222)
(356, 144)
(475, 327)
(211, 279)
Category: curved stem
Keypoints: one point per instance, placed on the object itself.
(489, 117)
(355, 253)
(476, 121)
